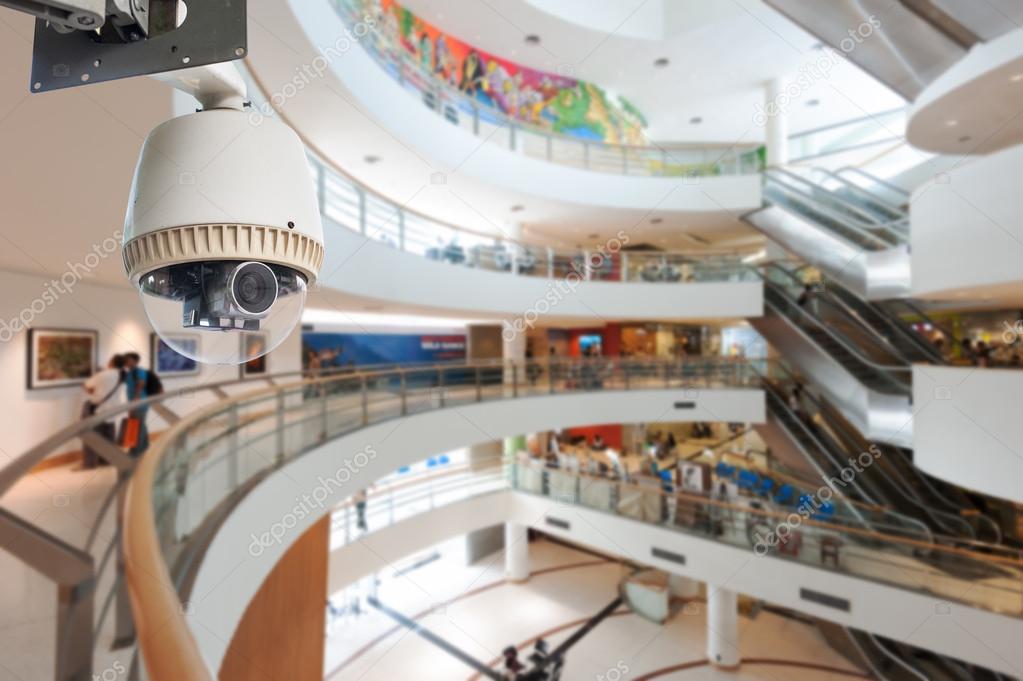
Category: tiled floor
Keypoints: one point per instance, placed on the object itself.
(483, 622)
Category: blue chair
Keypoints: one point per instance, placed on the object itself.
(748, 480)
(431, 462)
(404, 469)
(443, 459)
(765, 488)
(784, 495)
(825, 512)
(723, 470)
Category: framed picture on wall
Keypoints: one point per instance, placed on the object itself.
(61, 357)
(166, 361)
(253, 347)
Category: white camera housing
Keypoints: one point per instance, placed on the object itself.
(213, 190)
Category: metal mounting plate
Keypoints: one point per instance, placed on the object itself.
(214, 31)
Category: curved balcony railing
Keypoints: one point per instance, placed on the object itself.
(254, 434)
(346, 203)
(496, 127)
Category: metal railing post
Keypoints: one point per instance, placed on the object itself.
(479, 386)
(550, 262)
(476, 121)
(586, 155)
(587, 270)
(323, 410)
(404, 393)
(625, 161)
(515, 379)
(624, 265)
(549, 141)
(364, 389)
(440, 385)
(401, 230)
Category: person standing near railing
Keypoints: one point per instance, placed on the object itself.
(100, 389)
(139, 384)
(360, 499)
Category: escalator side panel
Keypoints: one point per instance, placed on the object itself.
(874, 275)
(885, 418)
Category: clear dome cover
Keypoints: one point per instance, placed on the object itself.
(224, 312)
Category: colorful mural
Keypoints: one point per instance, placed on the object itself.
(549, 101)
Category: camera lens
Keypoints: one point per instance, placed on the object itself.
(254, 287)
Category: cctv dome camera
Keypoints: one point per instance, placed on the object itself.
(223, 235)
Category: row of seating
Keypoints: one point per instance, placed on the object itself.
(767, 488)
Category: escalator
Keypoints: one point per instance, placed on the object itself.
(888, 660)
(849, 362)
(856, 236)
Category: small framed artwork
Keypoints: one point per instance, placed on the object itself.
(61, 357)
(165, 360)
(254, 351)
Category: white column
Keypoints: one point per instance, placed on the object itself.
(513, 352)
(776, 112)
(512, 232)
(516, 552)
(722, 627)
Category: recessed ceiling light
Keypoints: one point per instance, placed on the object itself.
(518, 208)
(594, 236)
(371, 159)
(1016, 77)
(965, 138)
(952, 123)
(813, 102)
(532, 39)
(695, 120)
(656, 221)
(661, 62)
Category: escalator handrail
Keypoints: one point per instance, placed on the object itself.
(897, 659)
(873, 178)
(939, 516)
(866, 194)
(867, 238)
(878, 674)
(882, 369)
(823, 194)
(830, 288)
(867, 227)
(773, 390)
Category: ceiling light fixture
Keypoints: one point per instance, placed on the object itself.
(695, 120)
(371, 159)
(518, 208)
(1016, 77)
(532, 39)
(952, 123)
(813, 102)
(656, 221)
(661, 62)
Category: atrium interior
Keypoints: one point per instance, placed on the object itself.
(363, 340)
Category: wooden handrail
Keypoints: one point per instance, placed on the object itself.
(870, 534)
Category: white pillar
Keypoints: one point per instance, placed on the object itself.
(516, 552)
(722, 627)
(513, 352)
(776, 113)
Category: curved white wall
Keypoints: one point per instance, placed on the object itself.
(404, 117)
(231, 574)
(967, 232)
(967, 428)
(902, 615)
(370, 269)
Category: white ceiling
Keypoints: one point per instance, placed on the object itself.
(721, 53)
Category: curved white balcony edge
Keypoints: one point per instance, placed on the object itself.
(916, 619)
(372, 270)
(973, 107)
(973, 212)
(397, 111)
(967, 429)
(230, 573)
